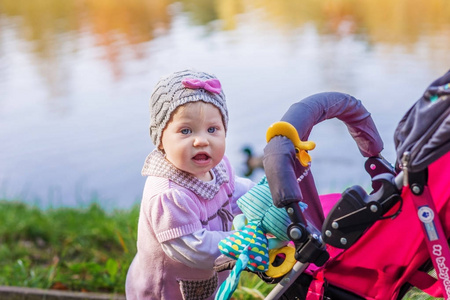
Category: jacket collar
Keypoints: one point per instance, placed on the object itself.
(156, 165)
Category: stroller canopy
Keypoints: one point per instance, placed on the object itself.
(424, 131)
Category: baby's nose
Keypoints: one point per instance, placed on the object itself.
(200, 140)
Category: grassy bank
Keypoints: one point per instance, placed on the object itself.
(81, 249)
(77, 249)
(66, 248)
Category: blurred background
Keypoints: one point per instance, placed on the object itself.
(76, 77)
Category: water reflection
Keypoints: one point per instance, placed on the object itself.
(75, 78)
(55, 28)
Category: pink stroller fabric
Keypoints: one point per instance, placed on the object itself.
(390, 252)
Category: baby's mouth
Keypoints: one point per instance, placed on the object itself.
(201, 157)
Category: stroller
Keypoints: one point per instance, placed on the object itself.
(374, 245)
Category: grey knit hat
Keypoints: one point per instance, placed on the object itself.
(180, 88)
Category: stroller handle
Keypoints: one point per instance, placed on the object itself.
(280, 163)
(283, 167)
(305, 114)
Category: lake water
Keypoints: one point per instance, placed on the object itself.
(75, 81)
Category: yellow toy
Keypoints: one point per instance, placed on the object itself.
(286, 129)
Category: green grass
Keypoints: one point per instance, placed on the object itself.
(82, 249)
(66, 248)
(251, 287)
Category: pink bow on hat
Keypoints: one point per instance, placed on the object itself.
(211, 85)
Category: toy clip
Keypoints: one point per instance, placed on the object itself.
(288, 130)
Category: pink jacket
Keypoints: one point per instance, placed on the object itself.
(175, 204)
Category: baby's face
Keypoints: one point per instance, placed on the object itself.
(194, 139)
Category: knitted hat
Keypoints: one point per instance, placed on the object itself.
(178, 89)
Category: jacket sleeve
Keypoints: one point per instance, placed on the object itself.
(196, 250)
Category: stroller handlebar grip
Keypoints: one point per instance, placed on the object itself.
(316, 108)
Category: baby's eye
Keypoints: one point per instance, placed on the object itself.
(212, 129)
(185, 131)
